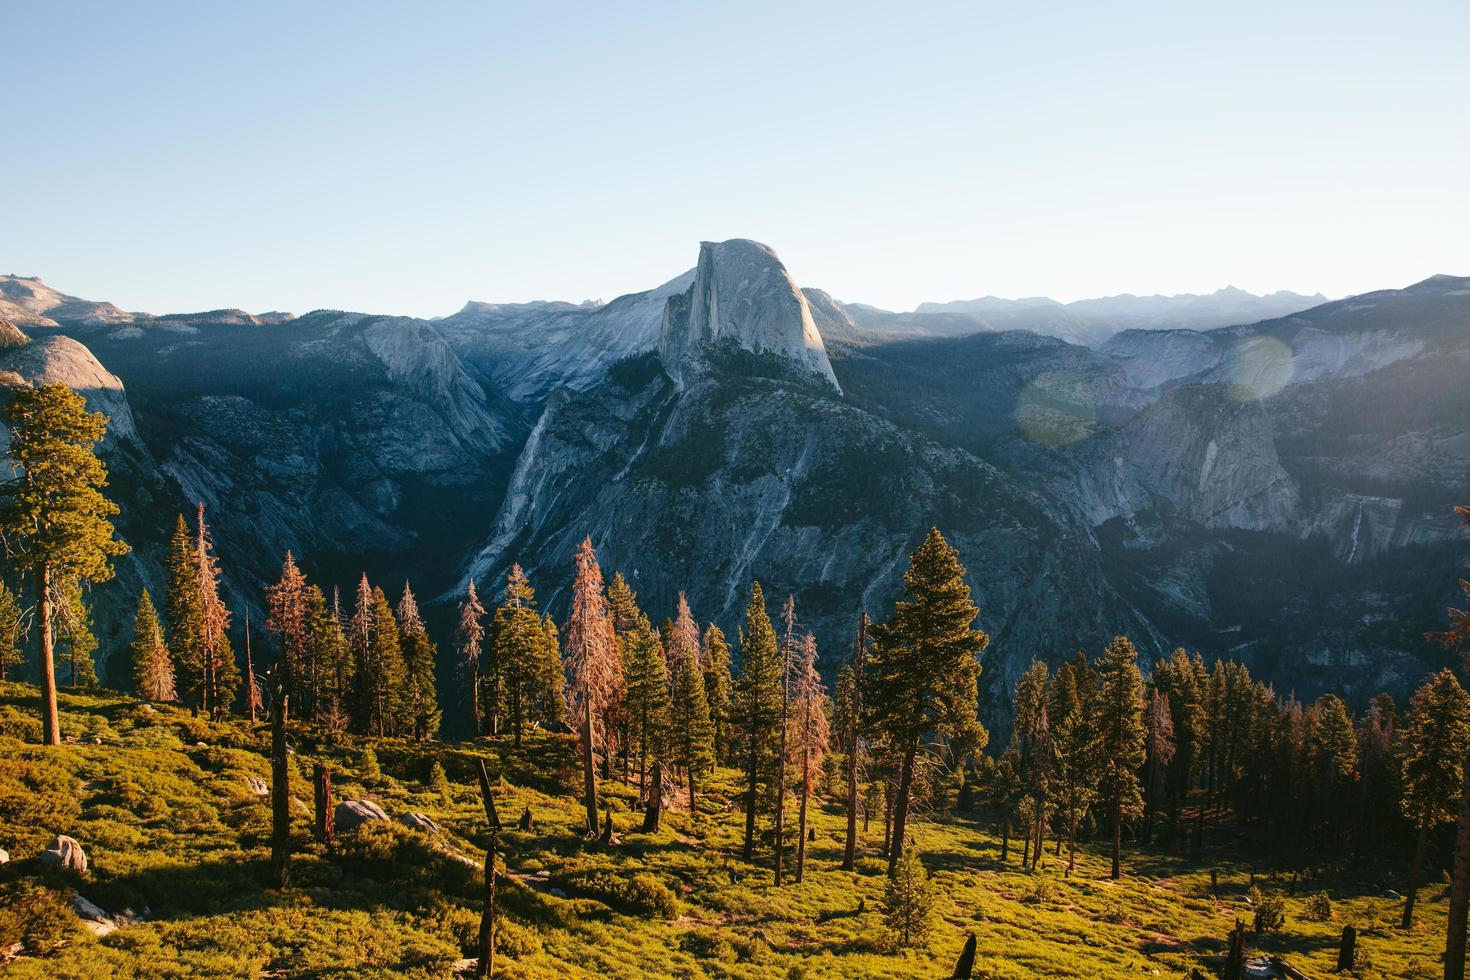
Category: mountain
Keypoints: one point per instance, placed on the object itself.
(1277, 490)
(1093, 321)
(29, 302)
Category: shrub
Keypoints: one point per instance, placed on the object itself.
(1319, 908)
(908, 901)
(367, 767)
(1270, 911)
(639, 894)
(705, 945)
(39, 917)
(439, 783)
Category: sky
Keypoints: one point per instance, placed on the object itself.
(403, 158)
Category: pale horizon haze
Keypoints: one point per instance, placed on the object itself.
(171, 157)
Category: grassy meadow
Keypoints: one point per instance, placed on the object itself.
(163, 805)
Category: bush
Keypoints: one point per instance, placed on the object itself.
(41, 918)
(1319, 908)
(1270, 912)
(639, 894)
(439, 783)
(705, 945)
(908, 901)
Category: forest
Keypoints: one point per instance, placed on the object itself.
(676, 799)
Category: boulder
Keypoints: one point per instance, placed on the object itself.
(65, 854)
(351, 814)
(4, 856)
(258, 786)
(423, 822)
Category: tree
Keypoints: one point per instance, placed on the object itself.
(908, 900)
(849, 717)
(1073, 749)
(153, 668)
(1028, 701)
(1432, 754)
(592, 659)
(335, 667)
(809, 714)
(285, 605)
(220, 674)
(715, 659)
(382, 677)
(691, 732)
(185, 616)
(646, 702)
(421, 701)
(74, 637)
(1332, 747)
(922, 676)
(788, 656)
(1454, 956)
(11, 620)
(471, 635)
(757, 705)
(54, 520)
(526, 663)
(1121, 738)
(1159, 749)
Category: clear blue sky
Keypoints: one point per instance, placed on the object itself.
(405, 157)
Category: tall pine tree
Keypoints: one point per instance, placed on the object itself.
(153, 668)
(596, 676)
(757, 706)
(691, 732)
(1432, 753)
(1121, 739)
(421, 700)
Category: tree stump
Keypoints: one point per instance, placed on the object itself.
(966, 964)
(655, 800)
(607, 826)
(526, 822)
(1347, 950)
(1235, 959)
(322, 796)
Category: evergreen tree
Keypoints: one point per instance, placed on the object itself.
(221, 675)
(1028, 701)
(185, 616)
(691, 732)
(421, 701)
(1332, 747)
(153, 668)
(647, 698)
(527, 657)
(1073, 742)
(336, 668)
(75, 642)
(285, 604)
(381, 674)
(471, 635)
(54, 520)
(1459, 911)
(715, 660)
(757, 706)
(908, 900)
(10, 631)
(1121, 739)
(1432, 755)
(923, 673)
(809, 706)
(1159, 751)
(596, 684)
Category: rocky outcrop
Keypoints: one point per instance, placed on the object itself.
(61, 359)
(352, 814)
(422, 822)
(741, 295)
(10, 335)
(29, 302)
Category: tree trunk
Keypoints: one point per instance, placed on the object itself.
(475, 700)
(589, 774)
(752, 788)
(901, 807)
(1072, 842)
(1005, 838)
(1419, 847)
(655, 799)
(690, 774)
(280, 792)
(849, 847)
(1454, 952)
(249, 671)
(965, 966)
(801, 826)
(1347, 950)
(50, 715)
(322, 796)
(486, 965)
(1117, 838)
(1026, 850)
(781, 782)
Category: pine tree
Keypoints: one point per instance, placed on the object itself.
(221, 678)
(529, 670)
(1121, 739)
(153, 668)
(185, 616)
(1073, 750)
(757, 706)
(10, 631)
(285, 604)
(1459, 909)
(923, 673)
(381, 674)
(471, 634)
(691, 732)
(54, 520)
(421, 701)
(75, 641)
(1332, 747)
(809, 706)
(332, 655)
(908, 900)
(715, 660)
(646, 702)
(1028, 702)
(1159, 750)
(596, 684)
(1432, 755)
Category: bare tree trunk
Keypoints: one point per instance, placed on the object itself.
(901, 807)
(1418, 867)
(849, 847)
(1454, 953)
(655, 799)
(806, 782)
(50, 715)
(781, 770)
(752, 790)
(280, 791)
(322, 797)
(589, 774)
(1117, 838)
(486, 965)
(249, 671)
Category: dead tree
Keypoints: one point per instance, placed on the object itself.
(1347, 950)
(655, 799)
(322, 796)
(966, 963)
(1235, 959)
(607, 826)
(486, 966)
(249, 671)
(280, 789)
(849, 849)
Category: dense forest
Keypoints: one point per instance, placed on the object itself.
(1113, 770)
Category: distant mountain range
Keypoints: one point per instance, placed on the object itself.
(1278, 488)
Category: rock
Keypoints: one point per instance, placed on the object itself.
(556, 893)
(4, 856)
(351, 814)
(65, 854)
(1390, 893)
(258, 786)
(422, 822)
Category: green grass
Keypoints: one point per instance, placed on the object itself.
(171, 827)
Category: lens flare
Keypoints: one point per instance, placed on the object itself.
(1259, 367)
(1057, 409)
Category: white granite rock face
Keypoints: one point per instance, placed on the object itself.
(742, 293)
